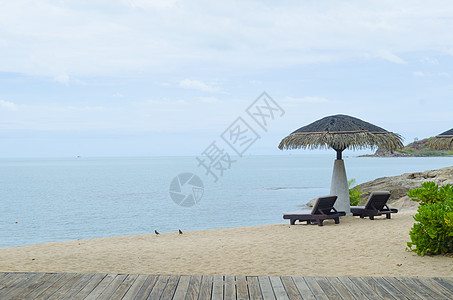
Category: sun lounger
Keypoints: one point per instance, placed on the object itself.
(376, 205)
(322, 209)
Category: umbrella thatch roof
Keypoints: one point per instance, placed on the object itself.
(443, 141)
(341, 132)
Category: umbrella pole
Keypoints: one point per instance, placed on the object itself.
(339, 154)
(339, 185)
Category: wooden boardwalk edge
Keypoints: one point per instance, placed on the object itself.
(23, 285)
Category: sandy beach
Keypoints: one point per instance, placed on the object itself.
(355, 247)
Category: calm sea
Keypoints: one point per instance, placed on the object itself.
(45, 200)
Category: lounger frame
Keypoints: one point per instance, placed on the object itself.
(322, 210)
(376, 205)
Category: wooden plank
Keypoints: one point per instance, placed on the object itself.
(147, 287)
(10, 278)
(46, 290)
(170, 289)
(414, 287)
(446, 279)
(352, 288)
(377, 289)
(65, 286)
(159, 287)
(407, 292)
(328, 288)
(229, 288)
(434, 287)
(304, 289)
(5, 277)
(20, 283)
(135, 287)
(266, 288)
(95, 286)
(290, 288)
(181, 289)
(40, 285)
(279, 289)
(254, 288)
(391, 289)
(316, 288)
(124, 286)
(108, 290)
(340, 288)
(365, 287)
(447, 283)
(217, 287)
(80, 284)
(424, 290)
(37, 286)
(242, 291)
(446, 290)
(193, 291)
(205, 287)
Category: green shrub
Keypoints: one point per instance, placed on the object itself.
(433, 234)
(407, 150)
(355, 195)
(430, 193)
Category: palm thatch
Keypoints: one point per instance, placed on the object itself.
(341, 132)
(443, 141)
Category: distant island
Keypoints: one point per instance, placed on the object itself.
(418, 148)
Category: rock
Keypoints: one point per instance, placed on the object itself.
(401, 184)
(419, 148)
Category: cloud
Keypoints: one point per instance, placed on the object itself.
(425, 74)
(155, 4)
(255, 82)
(419, 74)
(86, 38)
(197, 85)
(6, 105)
(62, 78)
(391, 57)
(118, 95)
(430, 60)
(209, 99)
(307, 99)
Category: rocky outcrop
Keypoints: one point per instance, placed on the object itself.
(401, 184)
(417, 149)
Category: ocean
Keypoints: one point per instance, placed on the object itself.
(59, 199)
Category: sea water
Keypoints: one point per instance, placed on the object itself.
(44, 200)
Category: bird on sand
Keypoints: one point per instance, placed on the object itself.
(180, 232)
(155, 231)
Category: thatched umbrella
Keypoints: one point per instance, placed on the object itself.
(341, 132)
(443, 141)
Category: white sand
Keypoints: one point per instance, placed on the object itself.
(355, 247)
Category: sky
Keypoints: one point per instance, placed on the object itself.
(153, 78)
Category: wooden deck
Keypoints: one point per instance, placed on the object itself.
(140, 286)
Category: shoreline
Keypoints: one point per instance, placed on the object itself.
(355, 247)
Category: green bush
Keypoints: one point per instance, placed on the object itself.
(355, 195)
(407, 150)
(433, 234)
(433, 231)
(430, 193)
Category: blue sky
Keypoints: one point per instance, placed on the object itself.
(138, 77)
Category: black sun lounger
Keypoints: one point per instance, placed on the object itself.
(322, 209)
(375, 206)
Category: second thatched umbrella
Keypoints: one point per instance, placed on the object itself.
(443, 141)
(341, 132)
